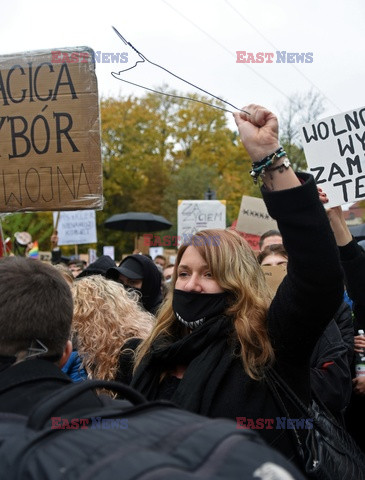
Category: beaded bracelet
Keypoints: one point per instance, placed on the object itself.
(286, 164)
(278, 153)
(259, 168)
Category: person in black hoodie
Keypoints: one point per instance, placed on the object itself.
(139, 273)
(99, 267)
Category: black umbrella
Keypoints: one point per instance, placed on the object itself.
(137, 222)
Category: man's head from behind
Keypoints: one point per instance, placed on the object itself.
(35, 309)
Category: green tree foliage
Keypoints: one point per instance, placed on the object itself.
(39, 225)
(157, 150)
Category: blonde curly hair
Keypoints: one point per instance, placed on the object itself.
(105, 316)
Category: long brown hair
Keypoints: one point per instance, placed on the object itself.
(235, 268)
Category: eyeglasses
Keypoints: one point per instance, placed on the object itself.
(34, 351)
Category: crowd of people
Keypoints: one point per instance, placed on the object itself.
(204, 332)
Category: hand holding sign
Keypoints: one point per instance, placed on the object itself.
(339, 227)
(337, 221)
(334, 148)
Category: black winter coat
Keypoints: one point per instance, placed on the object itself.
(304, 304)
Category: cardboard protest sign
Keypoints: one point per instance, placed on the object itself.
(274, 275)
(50, 157)
(335, 151)
(76, 228)
(196, 215)
(253, 217)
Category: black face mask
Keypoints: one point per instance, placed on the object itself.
(192, 309)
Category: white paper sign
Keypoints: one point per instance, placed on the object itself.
(253, 217)
(335, 151)
(92, 255)
(109, 250)
(196, 215)
(154, 251)
(76, 227)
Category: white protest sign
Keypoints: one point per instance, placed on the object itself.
(253, 217)
(335, 151)
(92, 255)
(196, 215)
(109, 250)
(76, 227)
(154, 251)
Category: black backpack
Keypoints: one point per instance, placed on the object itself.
(139, 440)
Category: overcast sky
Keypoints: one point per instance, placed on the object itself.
(198, 40)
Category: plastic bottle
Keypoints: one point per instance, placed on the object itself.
(360, 360)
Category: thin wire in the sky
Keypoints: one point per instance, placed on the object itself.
(276, 48)
(145, 59)
(225, 48)
(172, 95)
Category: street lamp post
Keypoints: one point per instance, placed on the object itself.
(210, 194)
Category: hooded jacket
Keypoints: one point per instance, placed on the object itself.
(99, 267)
(151, 284)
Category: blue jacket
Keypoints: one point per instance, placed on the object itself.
(74, 369)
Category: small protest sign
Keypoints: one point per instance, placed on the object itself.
(274, 275)
(253, 217)
(50, 157)
(109, 250)
(45, 256)
(92, 257)
(196, 215)
(335, 151)
(76, 228)
(154, 251)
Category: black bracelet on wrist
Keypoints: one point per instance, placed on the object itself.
(259, 168)
(286, 164)
(280, 152)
